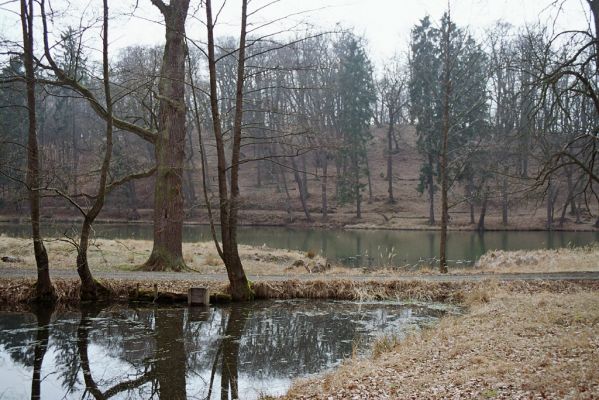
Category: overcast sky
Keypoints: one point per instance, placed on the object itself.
(386, 24)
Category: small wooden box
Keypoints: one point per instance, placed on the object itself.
(198, 296)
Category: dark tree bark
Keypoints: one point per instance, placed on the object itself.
(44, 290)
(483, 211)
(89, 287)
(229, 205)
(167, 252)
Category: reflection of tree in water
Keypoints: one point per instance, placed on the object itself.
(18, 335)
(43, 316)
(85, 326)
(157, 350)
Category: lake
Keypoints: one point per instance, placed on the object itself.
(365, 248)
(240, 350)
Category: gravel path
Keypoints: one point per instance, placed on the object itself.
(12, 272)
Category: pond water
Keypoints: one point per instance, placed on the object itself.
(239, 351)
(366, 248)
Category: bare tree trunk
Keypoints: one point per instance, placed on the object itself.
(504, 201)
(552, 193)
(443, 161)
(283, 178)
(390, 157)
(470, 200)
(301, 189)
(190, 190)
(483, 211)
(325, 170)
(75, 147)
(305, 177)
(167, 252)
(239, 285)
(89, 287)
(44, 290)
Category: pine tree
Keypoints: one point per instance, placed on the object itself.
(356, 95)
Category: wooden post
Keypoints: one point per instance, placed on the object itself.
(198, 296)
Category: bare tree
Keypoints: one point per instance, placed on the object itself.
(44, 291)
(229, 200)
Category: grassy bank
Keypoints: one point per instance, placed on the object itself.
(515, 341)
(127, 255)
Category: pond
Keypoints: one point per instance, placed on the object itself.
(365, 248)
(243, 350)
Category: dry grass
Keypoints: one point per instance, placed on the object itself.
(110, 255)
(516, 341)
(17, 291)
(127, 255)
(559, 260)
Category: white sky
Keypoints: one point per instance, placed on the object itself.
(386, 24)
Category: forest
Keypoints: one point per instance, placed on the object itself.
(293, 126)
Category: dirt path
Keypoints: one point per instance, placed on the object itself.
(11, 272)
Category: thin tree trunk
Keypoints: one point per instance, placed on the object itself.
(44, 290)
(390, 199)
(552, 193)
(301, 190)
(325, 169)
(443, 161)
(89, 287)
(305, 177)
(483, 212)
(239, 285)
(283, 179)
(469, 196)
(167, 252)
(504, 201)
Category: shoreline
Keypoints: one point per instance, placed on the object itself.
(4, 220)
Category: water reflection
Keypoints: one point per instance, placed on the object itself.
(241, 351)
(365, 248)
